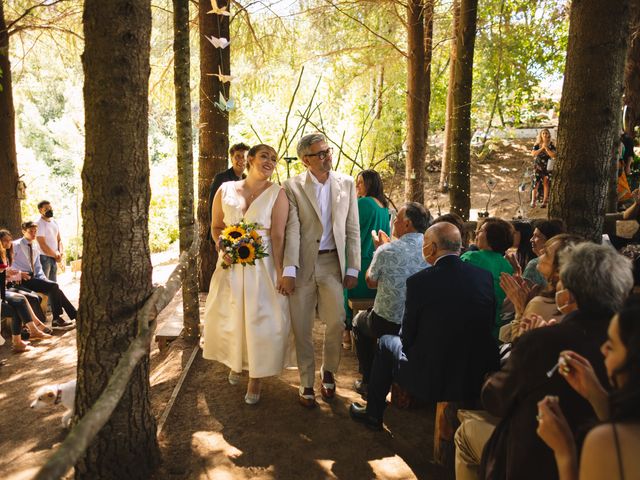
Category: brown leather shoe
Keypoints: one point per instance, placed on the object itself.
(327, 385)
(307, 398)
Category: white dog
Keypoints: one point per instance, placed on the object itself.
(64, 393)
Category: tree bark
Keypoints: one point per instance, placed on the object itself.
(428, 55)
(446, 148)
(590, 105)
(116, 266)
(414, 173)
(10, 216)
(181, 74)
(460, 187)
(632, 71)
(214, 128)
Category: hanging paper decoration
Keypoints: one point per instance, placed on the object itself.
(224, 104)
(216, 10)
(223, 78)
(218, 42)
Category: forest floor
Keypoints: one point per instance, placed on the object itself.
(210, 432)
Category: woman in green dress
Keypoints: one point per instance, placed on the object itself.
(373, 212)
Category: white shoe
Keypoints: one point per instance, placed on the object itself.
(252, 398)
(234, 378)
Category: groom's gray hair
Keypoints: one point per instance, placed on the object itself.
(308, 140)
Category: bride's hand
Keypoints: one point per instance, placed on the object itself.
(286, 285)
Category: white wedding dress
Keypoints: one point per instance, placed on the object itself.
(246, 321)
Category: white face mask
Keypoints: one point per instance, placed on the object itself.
(562, 308)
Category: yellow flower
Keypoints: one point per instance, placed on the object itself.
(233, 232)
(246, 253)
(255, 236)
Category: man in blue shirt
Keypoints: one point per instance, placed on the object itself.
(393, 262)
(27, 259)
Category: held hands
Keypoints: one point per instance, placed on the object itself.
(286, 285)
(350, 282)
(554, 430)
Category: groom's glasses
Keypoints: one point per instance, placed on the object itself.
(322, 154)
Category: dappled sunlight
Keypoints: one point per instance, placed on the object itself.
(327, 467)
(391, 468)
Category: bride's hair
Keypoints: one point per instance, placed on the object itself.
(253, 151)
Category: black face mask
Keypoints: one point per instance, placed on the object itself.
(48, 213)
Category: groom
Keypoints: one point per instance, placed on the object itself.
(321, 257)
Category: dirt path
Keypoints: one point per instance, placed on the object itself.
(211, 433)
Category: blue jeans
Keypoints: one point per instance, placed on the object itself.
(50, 267)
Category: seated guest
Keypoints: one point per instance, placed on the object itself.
(392, 263)
(456, 220)
(493, 238)
(521, 252)
(14, 281)
(599, 279)
(610, 449)
(445, 347)
(543, 231)
(543, 305)
(27, 259)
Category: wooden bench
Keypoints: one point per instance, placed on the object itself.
(358, 304)
(169, 331)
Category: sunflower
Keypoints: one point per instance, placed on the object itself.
(255, 236)
(246, 253)
(233, 232)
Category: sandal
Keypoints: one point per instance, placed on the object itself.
(21, 348)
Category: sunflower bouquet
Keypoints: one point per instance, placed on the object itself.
(241, 243)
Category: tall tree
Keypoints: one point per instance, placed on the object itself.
(214, 126)
(632, 71)
(116, 266)
(460, 187)
(181, 70)
(446, 149)
(416, 107)
(428, 56)
(590, 106)
(10, 212)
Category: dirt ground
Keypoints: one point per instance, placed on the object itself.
(211, 433)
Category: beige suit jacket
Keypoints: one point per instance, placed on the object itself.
(304, 227)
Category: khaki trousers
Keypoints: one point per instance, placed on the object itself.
(476, 426)
(323, 290)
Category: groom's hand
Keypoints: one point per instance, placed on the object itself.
(286, 285)
(349, 282)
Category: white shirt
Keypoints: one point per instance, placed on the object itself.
(49, 230)
(327, 242)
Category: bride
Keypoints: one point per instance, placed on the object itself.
(246, 322)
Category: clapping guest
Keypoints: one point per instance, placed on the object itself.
(609, 450)
(493, 237)
(393, 262)
(543, 231)
(519, 292)
(599, 279)
(521, 253)
(373, 213)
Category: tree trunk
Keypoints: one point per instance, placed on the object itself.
(590, 105)
(10, 217)
(181, 70)
(632, 71)
(116, 266)
(428, 55)
(414, 174)
(378, 91)
(460, 187)
(214, 128)
(446, 147)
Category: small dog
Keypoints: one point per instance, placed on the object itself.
(64, 393)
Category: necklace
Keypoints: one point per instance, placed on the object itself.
(257, 191)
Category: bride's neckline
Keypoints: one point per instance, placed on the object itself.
(253, 197)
